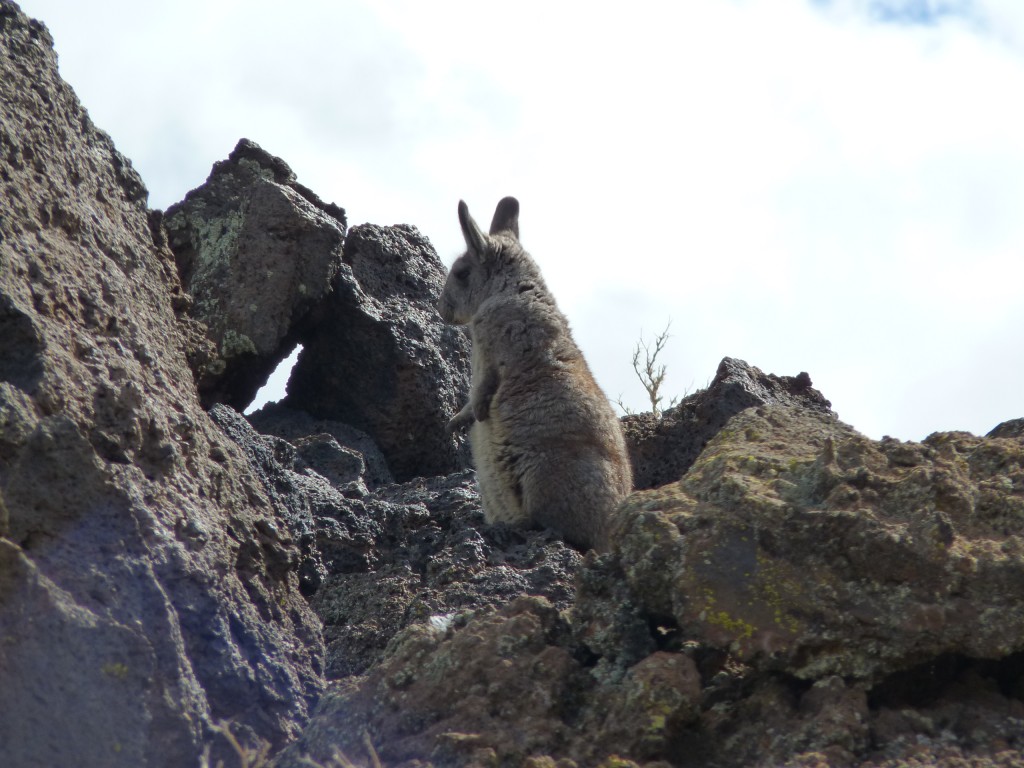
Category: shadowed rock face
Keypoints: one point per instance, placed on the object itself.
(262, 258)
(377, 561)
(146, 587)
(257, 251)
(1011, 428)
(300, 428)
(381, 359)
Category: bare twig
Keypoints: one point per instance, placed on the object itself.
(650, 373)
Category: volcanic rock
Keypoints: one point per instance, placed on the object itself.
(782, 591)
(421, 552)
(312, 438)
(1011, 428)
(147, 589)
(374, 562)
(800, 545)
(663, 448)
(267, 266)
(803, 596)
(379, 357)
(256, 251)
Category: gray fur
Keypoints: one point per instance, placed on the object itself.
(547, 446)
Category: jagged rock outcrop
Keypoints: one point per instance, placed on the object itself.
(270, 266)
(147, 589)
(301, 496)
(381, 359)
(428, 556)
(800, 545)
(303, 430)
(1011, 428)
(803, 595)
(256, 251)
(514, 691)
(663, 448)
(375, 562)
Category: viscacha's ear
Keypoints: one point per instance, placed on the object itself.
(476, 241)
(506, 217)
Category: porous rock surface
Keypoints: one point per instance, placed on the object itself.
(270, 266)
(381, 359)
(313, 436)
(375, 562)
(801, 545)
(663, 448)
(1011, 428)
(256, 251)
(147, 589)
(802, 596)
(428, 556)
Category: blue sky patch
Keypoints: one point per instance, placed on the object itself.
(909, 12)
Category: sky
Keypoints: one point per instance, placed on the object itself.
(830, 186)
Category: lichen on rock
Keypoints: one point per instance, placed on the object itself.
(807, 547)
(777, 603)
(257, 252)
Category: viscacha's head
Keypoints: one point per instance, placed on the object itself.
(488, 265)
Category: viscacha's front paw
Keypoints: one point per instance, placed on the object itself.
(460, 421)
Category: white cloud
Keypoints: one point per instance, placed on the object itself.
(808, 185)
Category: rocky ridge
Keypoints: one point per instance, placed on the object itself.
(146, 583)
(802, 595)
(783, 590)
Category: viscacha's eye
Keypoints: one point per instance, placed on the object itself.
(462, 274)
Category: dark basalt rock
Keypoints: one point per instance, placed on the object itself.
(782, 591)
(803, 596)
(306, 433)
(264, 264)
(147, 590)
(256, 251)
(1011, 428)
(662, 449)
(381, 359)
(376, 562)
(430, 557)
